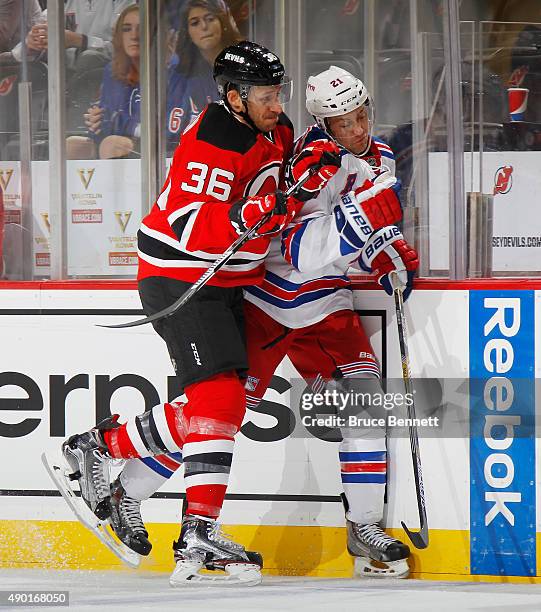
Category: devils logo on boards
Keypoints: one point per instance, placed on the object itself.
(503, 180)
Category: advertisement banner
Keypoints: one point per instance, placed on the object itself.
(502, 426)
(513, 179)
(104, 213)
(103, 201)
(10, 183)
(62, 374)
(42, 219)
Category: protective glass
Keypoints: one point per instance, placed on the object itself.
(267, 95)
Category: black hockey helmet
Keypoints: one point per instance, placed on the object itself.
(246, 64)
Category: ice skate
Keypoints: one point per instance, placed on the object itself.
(202, 546)
(86, 454)
(126, 520)
(377, 555)
(84, 459)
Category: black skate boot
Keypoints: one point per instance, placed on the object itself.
(126, 520)
(377, 555)
(87, 456)
(202, 545)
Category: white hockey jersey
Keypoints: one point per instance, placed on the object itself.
(306, 269)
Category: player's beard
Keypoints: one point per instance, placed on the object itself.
(268, 124)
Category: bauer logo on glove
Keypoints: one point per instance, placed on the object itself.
(370, 207)
(387, 252)
(354, 215)
(380, 241)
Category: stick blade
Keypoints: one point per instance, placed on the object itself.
(128, 324)
(418, 538)
(162, 314)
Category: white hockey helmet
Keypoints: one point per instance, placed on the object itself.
(335, 92)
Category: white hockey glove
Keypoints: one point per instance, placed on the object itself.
(371, 207)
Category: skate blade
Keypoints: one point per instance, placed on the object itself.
(58, 470)
(368, 568)
(108, 537)
(187, 573)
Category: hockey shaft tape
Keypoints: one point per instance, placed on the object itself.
(211, 427)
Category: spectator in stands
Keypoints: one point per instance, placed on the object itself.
(205, 28)
(114, 121)
(10, 25)
(89, 25)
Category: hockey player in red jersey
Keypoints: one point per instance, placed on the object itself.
(304, 307)
(233, 152)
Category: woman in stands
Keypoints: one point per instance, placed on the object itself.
(205, 28)
(114, 122)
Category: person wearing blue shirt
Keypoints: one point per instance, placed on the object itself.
(114, 122)
(205, 28)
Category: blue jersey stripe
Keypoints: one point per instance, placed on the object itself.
(304, 298)
(294, 245)
(289, 286)
(315, 133)
(370, 478)
(157, 467)
(361, 456)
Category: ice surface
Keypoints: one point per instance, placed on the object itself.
(104, 591)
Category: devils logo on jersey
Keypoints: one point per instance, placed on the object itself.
(503, 180)
(265, 181)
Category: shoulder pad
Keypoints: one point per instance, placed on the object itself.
(315, 133)
(219, 128)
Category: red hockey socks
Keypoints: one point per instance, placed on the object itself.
(203, 429)
(215, 411)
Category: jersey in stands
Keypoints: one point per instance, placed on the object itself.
(219, 160)
(306, 270)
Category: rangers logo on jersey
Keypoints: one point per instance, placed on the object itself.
(251, 383)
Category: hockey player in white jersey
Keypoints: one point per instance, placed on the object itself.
(304, 307)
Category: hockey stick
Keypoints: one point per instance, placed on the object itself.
(219, 263)
(418, 538)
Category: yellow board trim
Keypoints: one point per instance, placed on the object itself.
(287, 550)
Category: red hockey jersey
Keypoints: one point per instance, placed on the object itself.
(218, 161)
